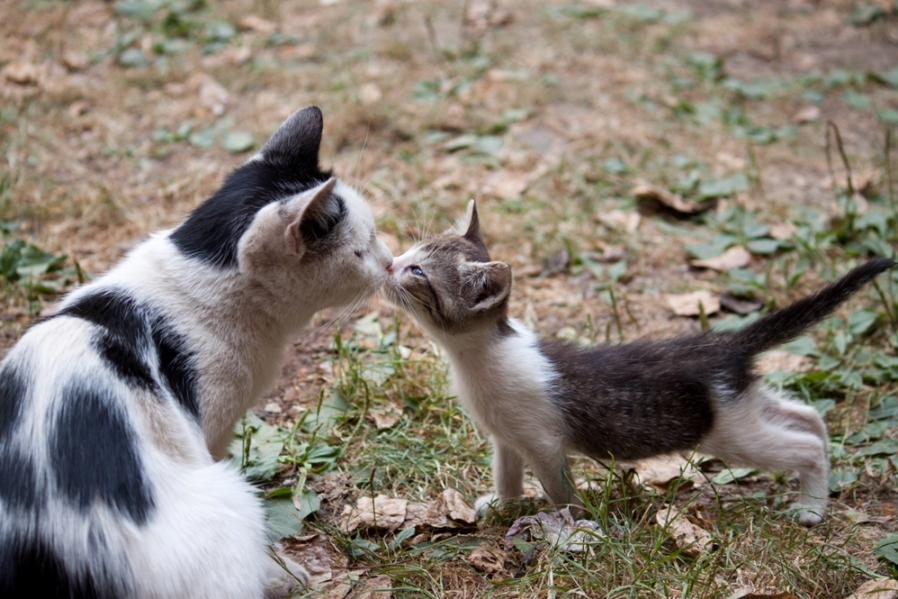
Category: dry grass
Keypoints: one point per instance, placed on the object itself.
(548, 113)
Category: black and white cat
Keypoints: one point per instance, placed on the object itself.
(117, 410)
(539, 398)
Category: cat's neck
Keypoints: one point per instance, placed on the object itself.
(237, 332)
(483, 341)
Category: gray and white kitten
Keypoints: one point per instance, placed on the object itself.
(540, 398)
(116, 411)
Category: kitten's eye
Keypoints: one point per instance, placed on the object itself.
(360, 253)
(416, 270)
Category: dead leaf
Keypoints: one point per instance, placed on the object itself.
(91, 14)
(317, 554)
(369, 93)
(662, 470)
(784, 361)
(75, 60)
(211, 94)
(620, 220)
(689, 537)
(488, 559)
(735, 257)
(385, 416)
(806, 115)
(558, 529)
(377, 587)
(382, 513)
(876, 589)
(739, 305)
(257, 23)
(671, 201)
(273, 408)
(782, 230)
(506, 185)
(457, 508)
(687, 304)
(23, 73)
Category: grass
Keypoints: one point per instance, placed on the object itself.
(550, 118)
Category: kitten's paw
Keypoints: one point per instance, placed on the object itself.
(809, 515)
(285, 576)
(486, 503)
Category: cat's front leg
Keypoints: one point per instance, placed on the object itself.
(508, 478)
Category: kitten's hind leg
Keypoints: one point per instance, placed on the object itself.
(508, 478)
(744, 435)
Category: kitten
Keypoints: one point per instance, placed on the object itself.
(116, 411)
(538, 398)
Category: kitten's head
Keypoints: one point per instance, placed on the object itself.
(448, 282)
(293, 231)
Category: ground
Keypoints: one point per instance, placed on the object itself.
(611, 147)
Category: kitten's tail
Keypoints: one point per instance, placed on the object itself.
(783, 325)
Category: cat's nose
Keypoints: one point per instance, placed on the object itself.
(390, 267)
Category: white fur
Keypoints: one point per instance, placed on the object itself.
(205, 537)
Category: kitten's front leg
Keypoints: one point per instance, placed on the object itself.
(553, 472)
(508, 478)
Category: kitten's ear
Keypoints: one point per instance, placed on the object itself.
(313, 216)
(485, 284)
(298, 140)
(471, 224)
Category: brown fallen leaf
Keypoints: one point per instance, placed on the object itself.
(621, 220)
(317, 554)
(23, 73)
(382, 513)
(687, 304)
(806, 115)
(689, 537)
(369, 93)
(785, 361)
(490, 560)
(783, 230)
(376, 587)
(662, 470)
(671, 201)
(735, 257)
(257, 23)
(385, 416)
(450, 510)
(876, 589)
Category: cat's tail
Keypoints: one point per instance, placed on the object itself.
(783, 325)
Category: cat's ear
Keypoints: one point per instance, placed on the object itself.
(298, 140)
(471, 224)
(312, 216)
(485, 284)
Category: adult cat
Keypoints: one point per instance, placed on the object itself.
(539, 398)
(117, 410)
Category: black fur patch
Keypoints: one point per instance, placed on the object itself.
(644, 398)
(121, 335)
(213, 230)
(128, 333)
(94, 456)
(31, 569)
(12, 394)
(18, 481)
(176, 367)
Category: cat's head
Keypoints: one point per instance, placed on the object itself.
(289, 229)
(448, 282)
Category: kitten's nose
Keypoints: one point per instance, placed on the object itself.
(390, 267)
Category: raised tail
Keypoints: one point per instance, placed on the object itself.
(783, 325)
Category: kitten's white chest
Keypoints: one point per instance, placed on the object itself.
(504, 383)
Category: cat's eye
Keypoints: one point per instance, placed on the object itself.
(360, 253)
(416, 270)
